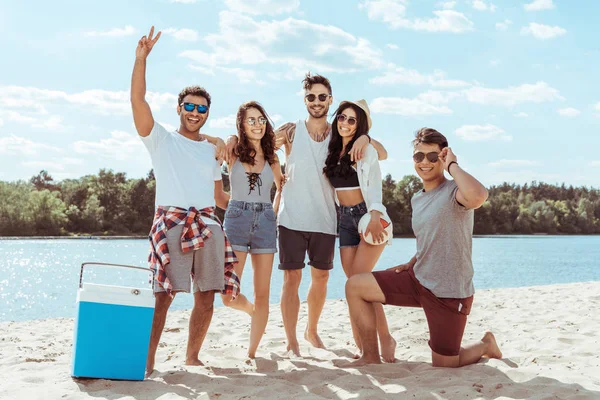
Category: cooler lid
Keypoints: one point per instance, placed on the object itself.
(118, 295)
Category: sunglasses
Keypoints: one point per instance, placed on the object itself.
(189, 107)
(252, 121)
(432, 157)
(322, 97)
(351, 120)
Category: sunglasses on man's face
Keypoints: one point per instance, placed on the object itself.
(252, 121)
(350, 120)
(189, 107)
(311, 97)
(432, 157)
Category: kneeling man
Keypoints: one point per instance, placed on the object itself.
(439, 278)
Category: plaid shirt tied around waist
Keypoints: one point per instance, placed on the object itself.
(195, 232)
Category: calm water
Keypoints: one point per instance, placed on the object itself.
(39, 278)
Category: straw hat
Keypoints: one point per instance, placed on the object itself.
(362, 104)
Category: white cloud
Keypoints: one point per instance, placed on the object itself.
(403, 76)
(183, 1)
(1, 122)
(392, 46)
(543, 32)
(120, 146)
(16, 144)
(595, 164)
(534, 93)
(114, 32)
(502, 26)
(428, 103)
(568, 112)
(260, 7)
(184, 34)
(276, 118)
(513, 163)
(393, 13)
(448, 5)
(483, 6)
(167, 126)
(103, 101)
(477, 133)
(298, 45)
(56, 164)
(537, 5)
(521, 115)
(597, 106)
(53, 123)
(494, 63)
(227, 122)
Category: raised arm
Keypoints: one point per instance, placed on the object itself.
(142, 115)
(471, 193)
(381, 151)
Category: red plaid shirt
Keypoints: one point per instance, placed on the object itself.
(194, 233)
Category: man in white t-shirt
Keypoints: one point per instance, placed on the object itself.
(186, 239)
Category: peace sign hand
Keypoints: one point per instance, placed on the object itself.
(146, 44)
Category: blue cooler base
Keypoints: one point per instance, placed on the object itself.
(111, 340)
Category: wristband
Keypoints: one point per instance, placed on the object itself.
(449, 165)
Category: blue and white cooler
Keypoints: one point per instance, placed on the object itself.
(112, 329)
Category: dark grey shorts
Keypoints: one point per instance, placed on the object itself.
(293, 246)
(206, 266)
(251, 227)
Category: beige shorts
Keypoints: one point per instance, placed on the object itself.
(196, 270)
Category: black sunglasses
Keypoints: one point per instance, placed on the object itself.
(342, 117)
(432, 157)
(322, 97)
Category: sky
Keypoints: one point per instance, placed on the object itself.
(512, 84)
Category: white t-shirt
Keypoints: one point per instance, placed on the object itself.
(185, 169)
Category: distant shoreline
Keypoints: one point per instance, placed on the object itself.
(99, 237)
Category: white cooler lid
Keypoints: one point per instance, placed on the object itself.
(119, 295)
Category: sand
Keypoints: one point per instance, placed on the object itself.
(549, 336)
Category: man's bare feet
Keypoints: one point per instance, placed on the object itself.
(294, 348)
(493, 351)
(388, 349)
(361, 362)
(194, 361)
(314, 339)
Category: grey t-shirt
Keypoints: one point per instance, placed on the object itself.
(444, 231)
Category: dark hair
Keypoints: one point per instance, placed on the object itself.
(343, 168)
(310, 80)
(195, 91)
(245, 151)
(430, 136)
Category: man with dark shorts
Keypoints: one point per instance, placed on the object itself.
(186, 237)
(439, 278)
(307, 217)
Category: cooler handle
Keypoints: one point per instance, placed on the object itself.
(114, 265)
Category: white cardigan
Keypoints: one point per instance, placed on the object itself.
(369, 179)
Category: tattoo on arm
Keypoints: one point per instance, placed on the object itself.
(290, 131)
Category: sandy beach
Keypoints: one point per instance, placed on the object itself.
(548, 334)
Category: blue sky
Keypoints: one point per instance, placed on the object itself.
(512, 84)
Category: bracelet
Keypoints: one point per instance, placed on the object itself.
(449, 165)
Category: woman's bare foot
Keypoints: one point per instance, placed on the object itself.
(388, 349)
(294, 348)
(492, 351)
(314, 339)
(194, 361)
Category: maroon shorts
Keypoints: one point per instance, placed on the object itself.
(446, 317)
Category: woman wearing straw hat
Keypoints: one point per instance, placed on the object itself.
(358, 191)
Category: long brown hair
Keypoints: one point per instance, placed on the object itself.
(245, 151)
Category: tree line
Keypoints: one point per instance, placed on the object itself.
(109, 203)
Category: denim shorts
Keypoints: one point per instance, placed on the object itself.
(349, 217)
(251, 227)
